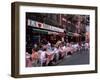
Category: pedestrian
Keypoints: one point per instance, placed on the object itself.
(43, 57)
(35, 57)
(56, 52)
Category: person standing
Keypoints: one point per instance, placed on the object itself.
(35, 57)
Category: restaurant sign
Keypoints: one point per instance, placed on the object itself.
(43, 26)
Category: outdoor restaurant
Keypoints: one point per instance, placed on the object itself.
(48, 44)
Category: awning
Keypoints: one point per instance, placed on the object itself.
(40, 31)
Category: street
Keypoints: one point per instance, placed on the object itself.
(78, 58)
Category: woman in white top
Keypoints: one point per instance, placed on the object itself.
(42, 57)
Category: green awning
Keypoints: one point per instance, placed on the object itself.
(40, 31)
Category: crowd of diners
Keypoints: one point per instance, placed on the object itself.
(50, 54)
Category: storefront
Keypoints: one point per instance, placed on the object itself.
(39, 35)
(42, 33)
(74, 37)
